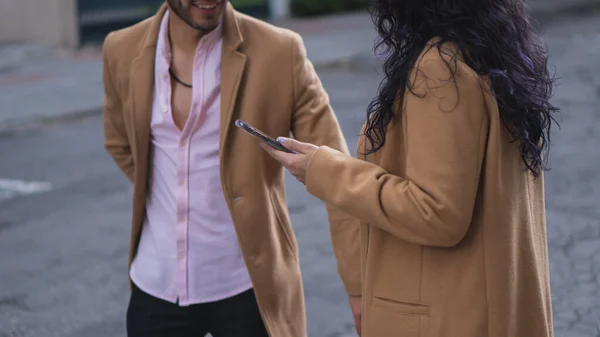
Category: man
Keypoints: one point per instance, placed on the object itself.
(212, 249)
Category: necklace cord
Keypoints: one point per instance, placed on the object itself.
(187, 85)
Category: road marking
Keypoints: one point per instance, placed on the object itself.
(11, 188)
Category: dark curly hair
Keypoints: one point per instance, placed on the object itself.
(495, 38)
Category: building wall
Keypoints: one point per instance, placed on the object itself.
(51, 22)
(10, 21)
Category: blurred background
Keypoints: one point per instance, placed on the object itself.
(65, 208)
(72, 23)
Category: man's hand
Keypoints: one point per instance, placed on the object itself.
(356, 307)
(297, 162)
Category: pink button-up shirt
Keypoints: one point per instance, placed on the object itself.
(188, 250)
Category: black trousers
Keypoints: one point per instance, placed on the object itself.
(238, 316)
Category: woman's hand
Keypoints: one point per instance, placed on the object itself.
(297, 162)
(356, 307)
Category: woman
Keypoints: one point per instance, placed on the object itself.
(450, 193)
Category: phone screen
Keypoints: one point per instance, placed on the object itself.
(261, 135)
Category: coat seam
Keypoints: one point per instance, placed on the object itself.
(483, 246)
(293, 60)
(281, 223)
(421, 287)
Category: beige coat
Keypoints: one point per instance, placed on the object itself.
(453, 227)
(268, 82)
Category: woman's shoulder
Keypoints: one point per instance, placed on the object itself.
(443, 61)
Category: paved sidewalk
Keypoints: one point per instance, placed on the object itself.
(42, 85)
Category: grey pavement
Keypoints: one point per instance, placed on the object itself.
(573, 184)
(63, 241)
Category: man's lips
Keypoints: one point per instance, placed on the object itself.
(206, 5)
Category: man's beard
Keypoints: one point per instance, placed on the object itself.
(184, 14)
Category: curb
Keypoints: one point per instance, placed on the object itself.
(545, 13)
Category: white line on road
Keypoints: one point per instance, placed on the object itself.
(11, 188)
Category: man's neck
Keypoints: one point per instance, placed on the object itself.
(183, 37)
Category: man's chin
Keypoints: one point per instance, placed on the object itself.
(205, 27)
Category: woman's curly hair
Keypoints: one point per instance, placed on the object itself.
(495, 38)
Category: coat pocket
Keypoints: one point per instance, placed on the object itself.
(398, 307)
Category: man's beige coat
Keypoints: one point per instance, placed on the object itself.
(268, 82)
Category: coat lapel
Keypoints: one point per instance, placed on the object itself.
(233, 65)
(141, 79)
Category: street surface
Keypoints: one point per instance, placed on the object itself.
(65, 210)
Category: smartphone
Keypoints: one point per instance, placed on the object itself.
(261, 136)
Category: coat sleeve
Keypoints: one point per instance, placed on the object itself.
(446, 131)
(116, 142)
(315, 122)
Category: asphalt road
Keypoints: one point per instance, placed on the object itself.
(64, 212)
